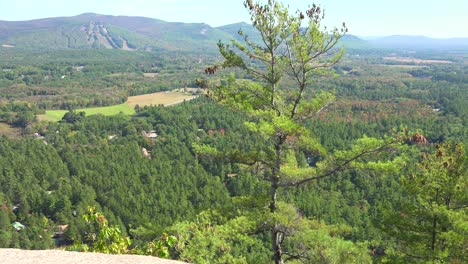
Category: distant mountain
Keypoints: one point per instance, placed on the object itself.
(91, 30)
(353, 42)
(419, 42)
(348, 41)
(247, 29)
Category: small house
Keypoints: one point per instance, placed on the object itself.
(146, 153)
(150, 134)
(18, 226)
(60, 230)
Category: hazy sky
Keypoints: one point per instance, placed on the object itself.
(433, 18)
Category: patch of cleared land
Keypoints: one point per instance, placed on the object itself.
(150, 74)
(417, 61)
(7, 130)
(189, 90)
(125, 44)
(121, 74)
(161, 98)
(56, 115)
(405, 66)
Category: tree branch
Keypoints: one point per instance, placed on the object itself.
(294, 256)
(337, 169)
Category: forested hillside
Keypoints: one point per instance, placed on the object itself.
(357, 157)
(130, 33)
(112, 32)
(49, 182)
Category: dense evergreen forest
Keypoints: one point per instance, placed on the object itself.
(199, 192)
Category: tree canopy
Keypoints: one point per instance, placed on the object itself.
(299, 48)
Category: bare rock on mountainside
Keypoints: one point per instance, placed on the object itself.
(18, 256)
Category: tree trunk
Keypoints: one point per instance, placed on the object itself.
(276, 241)
(276, 236)
(434, 229)
(434, 235)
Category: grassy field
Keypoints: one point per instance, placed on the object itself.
(417, 61)
(7, 130)
(150, 74)
(404, 66)
(56, 115)
(161, 98)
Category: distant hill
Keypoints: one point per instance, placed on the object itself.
(247, 29)
(353, 42)
(91, 30)
(348, 41)
(419, 42)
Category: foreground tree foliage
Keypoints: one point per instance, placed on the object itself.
(217, 210)
(298, 47)
(432, 225)
(103, 237)
(220, 209)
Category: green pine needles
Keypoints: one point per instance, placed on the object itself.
(298, 48)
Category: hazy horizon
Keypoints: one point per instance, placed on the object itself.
(365, 18)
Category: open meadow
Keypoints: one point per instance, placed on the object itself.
(159, 98)
(416, 60)
(7, 130)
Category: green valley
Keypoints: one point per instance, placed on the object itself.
(126, 134)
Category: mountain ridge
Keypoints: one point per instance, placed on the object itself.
(140, 32)
(419, 42)
(92, 30)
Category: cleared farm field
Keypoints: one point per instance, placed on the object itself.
(56, 115)
(7, 130)
(415, 60)
(160, 98)
(150, 74)
(404, 66)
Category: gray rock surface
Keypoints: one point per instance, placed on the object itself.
(18, 256)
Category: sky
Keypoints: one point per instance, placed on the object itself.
(432, 18)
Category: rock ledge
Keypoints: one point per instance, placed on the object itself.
(18, 256)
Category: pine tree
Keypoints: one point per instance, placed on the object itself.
(431, 225)
(294, 49)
